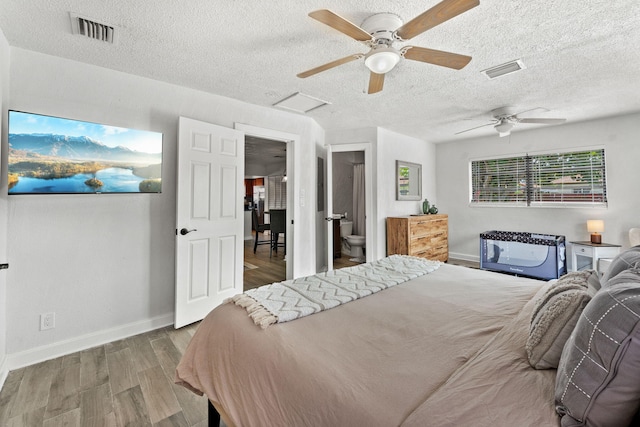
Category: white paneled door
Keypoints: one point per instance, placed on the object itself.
(209, 219)
(329, 211)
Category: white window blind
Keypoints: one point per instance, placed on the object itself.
(566, 178)
(562, 179)
(499, 180)
(276, 192)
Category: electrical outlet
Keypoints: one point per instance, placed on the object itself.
(47, 321)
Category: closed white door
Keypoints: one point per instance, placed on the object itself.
(209, 219)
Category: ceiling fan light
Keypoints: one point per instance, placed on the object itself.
(381, 60)
(504, 128)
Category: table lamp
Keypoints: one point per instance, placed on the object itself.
(595, 227)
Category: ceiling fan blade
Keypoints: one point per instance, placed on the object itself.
(376, 81)
(329, 65)
(541, 109)
(337, 22)
(438, 14)
(437, 57)
(543, 121)
(478, 127)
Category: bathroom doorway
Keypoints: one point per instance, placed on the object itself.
(349, 200)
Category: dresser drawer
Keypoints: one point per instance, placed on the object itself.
(440, 253)
(423, 227)
(437, 239)
(583, 250)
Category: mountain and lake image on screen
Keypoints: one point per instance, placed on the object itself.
(52, 155)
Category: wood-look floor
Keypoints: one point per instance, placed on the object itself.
(260, 269)
(123, 383)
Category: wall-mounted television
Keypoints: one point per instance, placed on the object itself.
(53, 155)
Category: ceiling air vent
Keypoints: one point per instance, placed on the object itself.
(501, 70)
(300, 103)
(88, 27)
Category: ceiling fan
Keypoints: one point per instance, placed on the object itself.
(504, 120)
(380, 31)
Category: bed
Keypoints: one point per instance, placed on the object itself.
(446, 348)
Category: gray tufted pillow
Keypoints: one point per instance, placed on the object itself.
(597, 380)
(623, 261)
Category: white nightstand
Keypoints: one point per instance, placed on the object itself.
(585, 255)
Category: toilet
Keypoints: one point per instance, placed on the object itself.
(355, 243)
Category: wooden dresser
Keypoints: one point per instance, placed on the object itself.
(425, 236)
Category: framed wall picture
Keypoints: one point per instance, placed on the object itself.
(408, 181)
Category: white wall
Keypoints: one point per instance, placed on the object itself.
(393, 146)
(388, 147)
(619, 137)
(4, 95)
(105, 263)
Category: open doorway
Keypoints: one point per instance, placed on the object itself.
(352, 166)
(349, 208)
(265, 196)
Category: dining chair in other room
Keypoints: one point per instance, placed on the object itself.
(278, 219)
(260, 229)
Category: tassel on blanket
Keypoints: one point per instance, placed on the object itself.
(260, 315)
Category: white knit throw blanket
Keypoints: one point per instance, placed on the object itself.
(293, 299)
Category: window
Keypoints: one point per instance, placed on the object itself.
(561, 179)
(276, 192)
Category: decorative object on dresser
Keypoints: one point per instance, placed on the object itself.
(423, 236)
(428, 209)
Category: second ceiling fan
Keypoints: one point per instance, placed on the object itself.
(379, 32)
(504, 119)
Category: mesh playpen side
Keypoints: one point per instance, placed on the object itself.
(541, 256)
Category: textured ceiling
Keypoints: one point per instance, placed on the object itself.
(263, 157)
(582, 57)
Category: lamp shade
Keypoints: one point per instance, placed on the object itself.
(381, 60)
(595, 225)
(504, 128)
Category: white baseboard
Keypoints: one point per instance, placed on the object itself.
(51, 351)
(464, 257)
(4, 370)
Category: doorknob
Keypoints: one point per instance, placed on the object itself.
(329, 218)
(185, 231)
